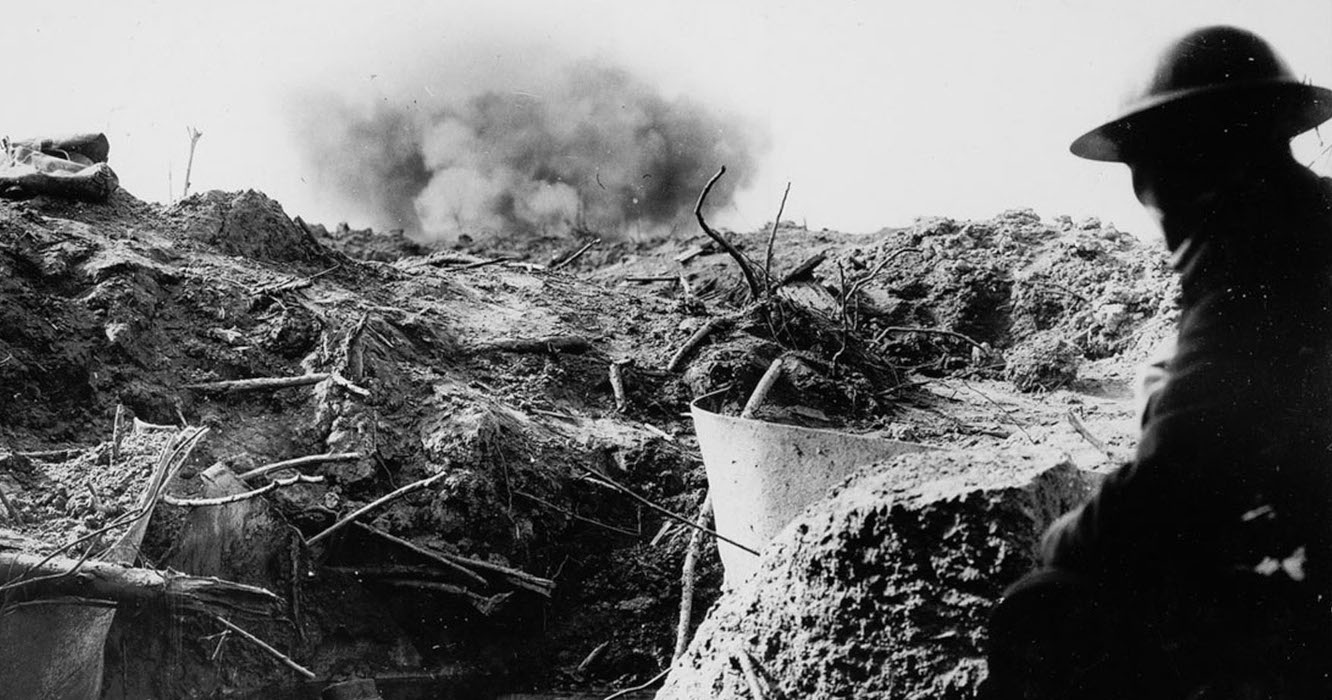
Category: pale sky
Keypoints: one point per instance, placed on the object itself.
(877, 112)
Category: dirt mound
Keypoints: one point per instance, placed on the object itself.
(1012, 297)
(882, 589)
(488, 370)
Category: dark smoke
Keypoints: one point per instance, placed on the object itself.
(599, 149)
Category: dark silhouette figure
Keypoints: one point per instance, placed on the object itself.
(1203, 568)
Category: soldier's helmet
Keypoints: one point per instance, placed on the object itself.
(1212, 83)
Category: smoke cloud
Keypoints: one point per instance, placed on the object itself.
(598, 149)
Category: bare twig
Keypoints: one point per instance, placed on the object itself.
(394, 495)
(764, 386)
(745, 269)
(237, 497)
(617, 386)
(674, 516)
(302, 462)
(772, 239)
(436, 557)
(655, 278)
(189, 164)
(565, 262)
(294, 284)
(687, 578)
(286, 660)
(642, 686)
(695, 340)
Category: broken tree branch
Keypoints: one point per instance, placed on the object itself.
(234, 386)
(90, 578)
(772, 239)
(687, 577)
(435, 557)
(520, 579)
(565, 262)
(672, 515)
(745, 269)
(803, 269)
(246, 495)
(286, 660)
(302, 462)
(391, 496)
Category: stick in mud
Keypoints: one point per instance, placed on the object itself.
(664, 511)
(243, 496)
(694, 341)
(687, 577)
(302, 462)
(286, 660)
(561, 264)
(259, 383)
(347, 520)
(435, 557)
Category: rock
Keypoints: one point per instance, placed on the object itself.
(883, 588)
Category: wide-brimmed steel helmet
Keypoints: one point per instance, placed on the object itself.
(1212, 81)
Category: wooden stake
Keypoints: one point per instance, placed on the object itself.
(694, 341)
(764, 386)
(189, 165)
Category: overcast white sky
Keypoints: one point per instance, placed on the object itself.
(877, 112)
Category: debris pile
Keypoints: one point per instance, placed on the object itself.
(471, 464)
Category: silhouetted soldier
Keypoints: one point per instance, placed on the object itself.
(1203, 568)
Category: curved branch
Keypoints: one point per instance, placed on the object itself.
(754, 289)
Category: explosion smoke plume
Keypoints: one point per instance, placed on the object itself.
(599, 150)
